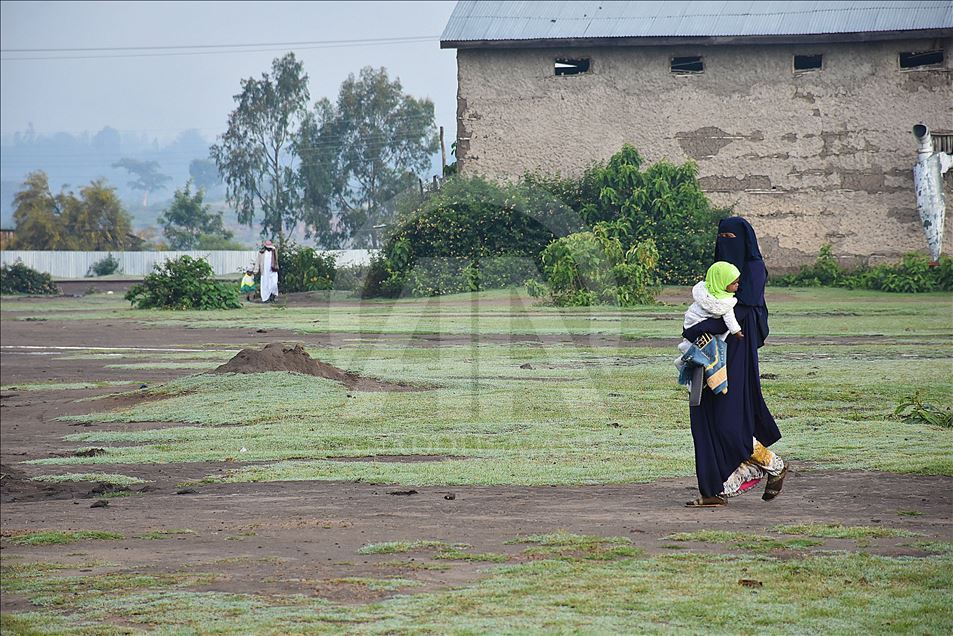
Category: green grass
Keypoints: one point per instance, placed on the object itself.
(935, 547)
(744, 541)
(499, 424)
(41, 583)
(508, 431)
(456, 554)
(835, 593)
(826, 312)
(412, 565)
(565, 545)
(838, 531)
(56, 537)
(397, 547)
(377, 585)
(443, 550)
(595, 413)
(106, 478)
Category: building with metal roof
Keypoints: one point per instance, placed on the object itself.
(479, 24)
(797, 114)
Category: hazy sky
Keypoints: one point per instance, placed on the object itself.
(160, 94)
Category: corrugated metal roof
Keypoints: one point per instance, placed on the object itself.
(486, 21)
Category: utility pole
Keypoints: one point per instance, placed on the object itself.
(443, 154)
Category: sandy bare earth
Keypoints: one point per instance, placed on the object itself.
(293, 537)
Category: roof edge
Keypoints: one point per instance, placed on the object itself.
(813, 38)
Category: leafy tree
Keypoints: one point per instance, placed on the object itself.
(204, 174)
(189, 220)
(97, 220)
(94, 221)
(254, 155)
(664, 203)
(359, 153)
(148, 178)
(37, 214)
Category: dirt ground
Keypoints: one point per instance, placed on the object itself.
(293, 537)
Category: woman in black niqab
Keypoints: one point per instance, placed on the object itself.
(731, 431)
(738, 245)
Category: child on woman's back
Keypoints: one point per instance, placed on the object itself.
(715, 298)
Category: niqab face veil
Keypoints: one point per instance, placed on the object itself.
(744, 253)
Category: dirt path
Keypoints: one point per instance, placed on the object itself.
(268, 538)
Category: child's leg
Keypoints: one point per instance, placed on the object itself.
(767, 459)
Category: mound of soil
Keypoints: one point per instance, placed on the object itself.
(279, 356)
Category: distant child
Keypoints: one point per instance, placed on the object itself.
(715, 298)
(248, 284)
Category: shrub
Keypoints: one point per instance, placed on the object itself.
(825, 272)
(472, 219)
(434, 277)
(350, 277)
(588, 268)
(575, 193)
(183, 283)
(20, 279)
(382, 279)
(913, 274)
(663, 203)
(104, 267)
(304, 269)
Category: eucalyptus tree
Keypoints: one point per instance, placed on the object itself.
(359, 153)
(255, 155)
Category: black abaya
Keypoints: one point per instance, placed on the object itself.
(724, 426)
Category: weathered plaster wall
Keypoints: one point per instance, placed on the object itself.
(820, 157)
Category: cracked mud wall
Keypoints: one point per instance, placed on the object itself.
(813, 158)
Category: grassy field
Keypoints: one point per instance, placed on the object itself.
(508, 398)
(577, 585)
(579, 415)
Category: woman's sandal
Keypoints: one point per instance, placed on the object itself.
(773, 488)
(707, 502)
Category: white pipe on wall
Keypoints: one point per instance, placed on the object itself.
(928, 182)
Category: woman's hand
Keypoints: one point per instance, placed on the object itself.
(740, 335)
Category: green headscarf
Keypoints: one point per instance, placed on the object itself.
(719, 276)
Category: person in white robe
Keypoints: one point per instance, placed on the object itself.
(267, 265)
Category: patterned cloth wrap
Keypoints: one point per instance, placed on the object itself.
(710, 353)
(248, 284)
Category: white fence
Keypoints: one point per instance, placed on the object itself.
(137, 264)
